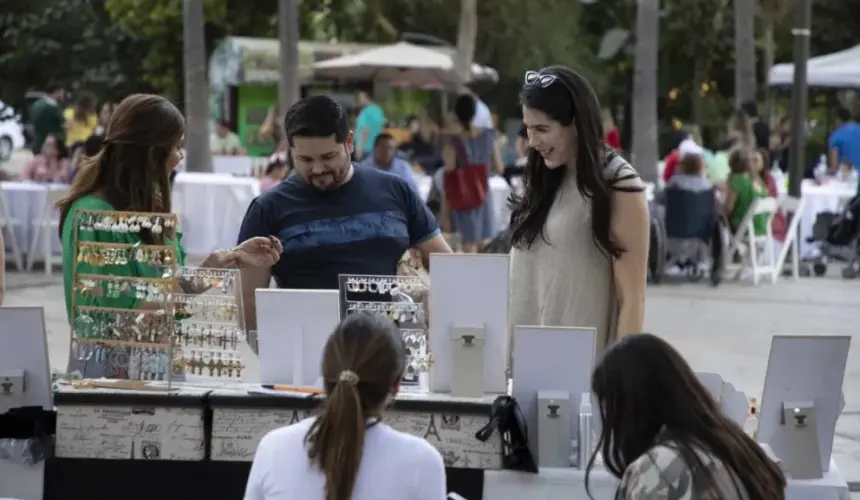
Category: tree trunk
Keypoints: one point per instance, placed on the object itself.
(289, 86)
(745, 77)
(769, 56)
(645, 121)
(198, 155)
(466, 37)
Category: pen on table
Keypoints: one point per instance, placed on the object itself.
(289, 388)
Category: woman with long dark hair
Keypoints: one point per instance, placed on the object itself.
(665, 436)
(580, 233)
(347, 452)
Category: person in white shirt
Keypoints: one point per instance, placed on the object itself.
(347, 452)
(483, 117)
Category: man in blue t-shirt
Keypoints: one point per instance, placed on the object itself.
(332, 218)
(845, 142)
(385, 158)
(369, 124)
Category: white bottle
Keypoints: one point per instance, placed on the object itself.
(586, 431)
(821, 169)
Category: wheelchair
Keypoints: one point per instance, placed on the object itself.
(687, 232)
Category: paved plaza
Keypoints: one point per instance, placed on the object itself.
(725, 330)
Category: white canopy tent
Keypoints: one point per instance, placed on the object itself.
(401, 63)
(839, 70)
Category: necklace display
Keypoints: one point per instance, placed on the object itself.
(123, 326)
(402, 299)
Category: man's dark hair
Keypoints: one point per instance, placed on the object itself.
(317, 116)
(382, 137)
(750, 109)
(843, 114)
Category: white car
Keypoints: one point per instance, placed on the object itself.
(11, 132)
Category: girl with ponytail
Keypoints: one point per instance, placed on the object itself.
(347, 452)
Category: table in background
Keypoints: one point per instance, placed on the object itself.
(499, 192)
(212, 207)
(569, 484)
(205, 439)
(25, 200)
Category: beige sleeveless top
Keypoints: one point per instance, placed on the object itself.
(567, 282)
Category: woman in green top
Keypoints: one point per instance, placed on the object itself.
(743, 189)
(142, 146)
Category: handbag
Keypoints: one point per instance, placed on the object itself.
(508, 419)
(466, 186)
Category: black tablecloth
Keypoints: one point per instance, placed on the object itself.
(91, 479)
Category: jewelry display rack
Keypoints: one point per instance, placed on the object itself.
(130, 346)
(403, 300)
(208, 333)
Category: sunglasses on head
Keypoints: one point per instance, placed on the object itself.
(543, 80)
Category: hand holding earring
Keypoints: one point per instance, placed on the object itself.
(259, 252)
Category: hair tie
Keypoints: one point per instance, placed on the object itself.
(348, 376)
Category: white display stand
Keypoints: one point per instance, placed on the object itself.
(569, 484)
(733, 402)
(803, 369)
(292, 329)
(552, 359)
(469, 291)
(24, 347)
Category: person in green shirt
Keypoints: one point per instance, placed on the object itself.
(142, 146)
(743, 188)
(46, 114)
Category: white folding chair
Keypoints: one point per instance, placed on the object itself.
(792, 208)
(8, 223)
(757, 250)
(43, 228)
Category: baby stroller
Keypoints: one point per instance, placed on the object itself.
(691, 236)
(837, 238)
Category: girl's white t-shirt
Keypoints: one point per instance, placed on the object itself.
(394, 466)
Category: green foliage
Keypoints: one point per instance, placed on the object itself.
(160, 23)
(71, 42)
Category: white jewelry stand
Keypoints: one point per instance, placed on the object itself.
(553, 429)
(467, 362)
(292, 329)
(552, 358)
(24, 362)
(468, 290)
(804, 378)
(798, 417)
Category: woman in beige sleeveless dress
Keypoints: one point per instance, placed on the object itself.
(580, 232)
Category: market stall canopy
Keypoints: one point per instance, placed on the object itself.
(839, 70)
(401, 63)
(240, 60)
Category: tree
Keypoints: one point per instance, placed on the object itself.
(289, 90)
(198, 152)
(159, 23)
(71, 41)
(466, 38)
(745, 77)
(645, 120)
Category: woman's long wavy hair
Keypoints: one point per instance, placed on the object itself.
(370, 346)
(569, 100)
(130, 171)
(648, 395)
